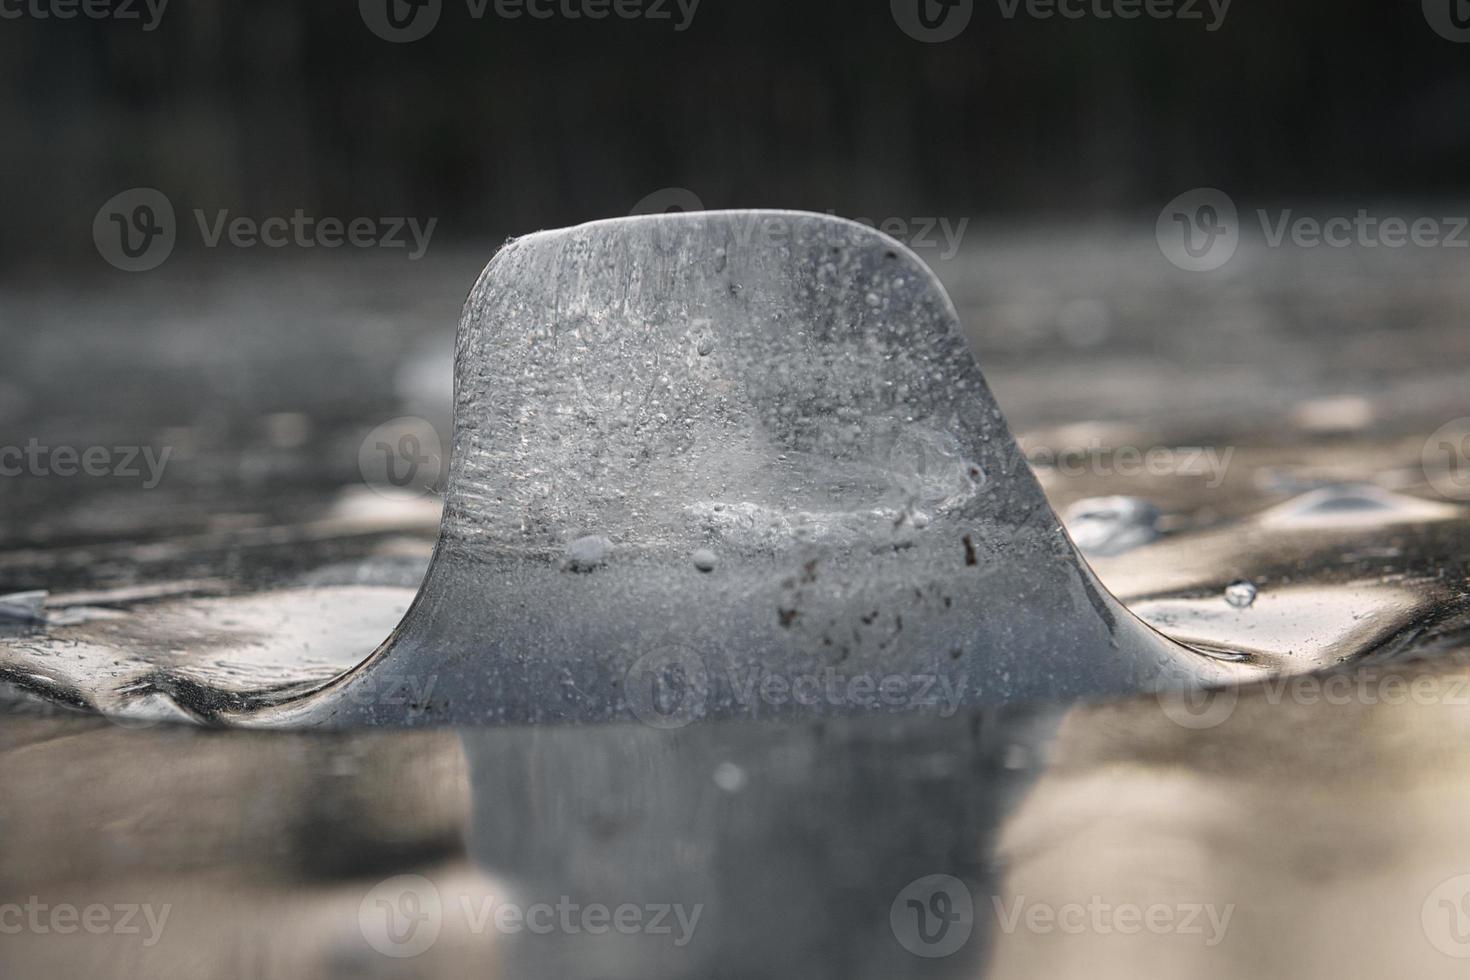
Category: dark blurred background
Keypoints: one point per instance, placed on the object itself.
(499, 126)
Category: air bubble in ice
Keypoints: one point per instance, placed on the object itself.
(586, 554)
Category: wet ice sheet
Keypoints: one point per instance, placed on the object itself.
(200, 658)
(1388, 584)
(1254, 512)
(1335, 573)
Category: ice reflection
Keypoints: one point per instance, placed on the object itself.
(734, 850)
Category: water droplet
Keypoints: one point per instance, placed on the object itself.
(705, 560)
(586, 554)
(1241, 595)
